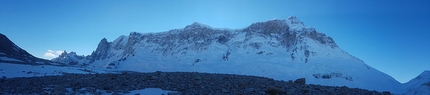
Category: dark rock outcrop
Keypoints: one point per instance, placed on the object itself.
(300, 81)
(101, 51)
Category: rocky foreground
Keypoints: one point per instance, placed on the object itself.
(187, 83)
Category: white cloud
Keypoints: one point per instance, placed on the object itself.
(59, 52)
(51, 54)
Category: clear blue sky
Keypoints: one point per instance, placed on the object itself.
(391, 36)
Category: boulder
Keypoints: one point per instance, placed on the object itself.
(300, 81)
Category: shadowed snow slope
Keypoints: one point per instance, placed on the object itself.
(11, 53)
(282, 49)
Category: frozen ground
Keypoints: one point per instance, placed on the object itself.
(146, 91)
(149, 91)
(19, 70)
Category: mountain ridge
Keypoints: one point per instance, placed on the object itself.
(419, 84)
(12, 53)
(281, 49)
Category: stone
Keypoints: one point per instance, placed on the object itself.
(59, 90)
(195, 83)
(248, 90)
(198, 78)
(273, 90)
(116, 93)
(173, 93)
(300, 81)
(386, 93)
(224, 90)
(153, 77)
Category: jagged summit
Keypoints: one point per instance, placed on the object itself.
(70, 58)
(197, 25)
(101, 50)
(294, 20)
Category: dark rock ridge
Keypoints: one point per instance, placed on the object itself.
(101, 51)
(187, 83)
(8, 50)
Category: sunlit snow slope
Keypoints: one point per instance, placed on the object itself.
(283, 49)
(420, 85)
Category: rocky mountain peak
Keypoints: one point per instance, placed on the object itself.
(197, 25)
(101, 51)
(63, 54)
(272, 26)
(104, 40)
(294, 20)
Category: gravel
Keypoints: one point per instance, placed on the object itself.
(186, 83)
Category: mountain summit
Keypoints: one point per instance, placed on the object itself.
(294, 20)
(283, 49)
(197, 25)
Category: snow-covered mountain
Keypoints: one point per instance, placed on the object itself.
(70, 58)
(420, 85)
(11, 53)
(283, 49)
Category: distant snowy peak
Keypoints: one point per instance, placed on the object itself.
(70, 58)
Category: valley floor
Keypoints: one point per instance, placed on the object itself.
(184, 82)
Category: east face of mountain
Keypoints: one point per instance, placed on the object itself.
(283, 49)
(11, 53)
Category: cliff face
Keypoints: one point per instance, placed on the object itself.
(101, 51)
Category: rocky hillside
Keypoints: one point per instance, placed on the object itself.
(11, 53)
